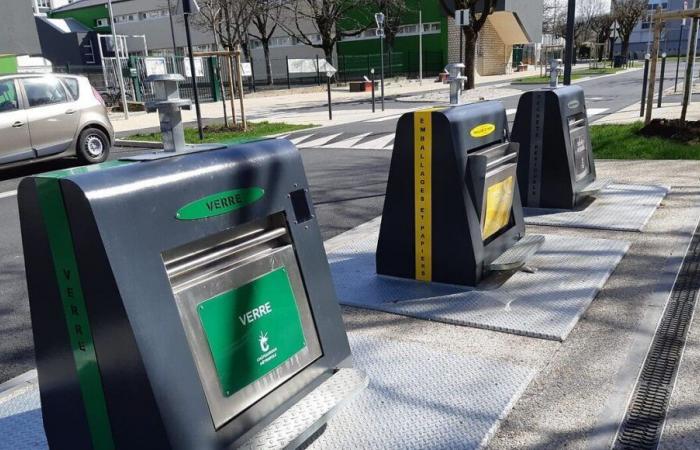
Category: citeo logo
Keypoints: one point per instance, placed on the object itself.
(482, 130)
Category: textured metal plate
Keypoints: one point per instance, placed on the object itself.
(422, 397)
(311, 412)
(596, 186)
(546, 304)
(619, 207)
(519, 254)
(21, 427)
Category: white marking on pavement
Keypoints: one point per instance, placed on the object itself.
(8, 194)
(318, 141)
(596, 111)
(385, 118)
(511, 111)
(296, 140)
(347, 143)
(376, 144)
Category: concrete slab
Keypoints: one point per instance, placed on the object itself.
(546, 304)
(422, 397)
(617, 207)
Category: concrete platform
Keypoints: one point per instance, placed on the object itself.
(545, 304)
(617, 207)
(421, 397)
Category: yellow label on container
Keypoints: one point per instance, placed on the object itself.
(422, 176)
(482, 130)
(499, 201)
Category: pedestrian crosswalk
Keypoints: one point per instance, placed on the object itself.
(363, 141)
(369, 140)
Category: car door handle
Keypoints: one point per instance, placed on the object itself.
(18, 124)
(70, 111)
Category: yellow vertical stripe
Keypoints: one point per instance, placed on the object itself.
(422, 192)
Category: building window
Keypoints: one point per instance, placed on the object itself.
(404, 30)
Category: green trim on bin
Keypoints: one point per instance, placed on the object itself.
(75, 310)
(219, 203)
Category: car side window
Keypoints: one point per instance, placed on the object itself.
(73, 87)
(8, 96)
(44, 91)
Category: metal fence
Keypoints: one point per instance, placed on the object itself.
(213, 80)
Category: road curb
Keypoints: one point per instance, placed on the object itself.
(24, 380)
(138, 144)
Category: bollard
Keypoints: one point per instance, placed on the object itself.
(455, 80)
(169, 106)
(661, 80)
(329, 75)
(373, 97)
(644, 83)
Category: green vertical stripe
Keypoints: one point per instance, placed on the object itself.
(71, 293)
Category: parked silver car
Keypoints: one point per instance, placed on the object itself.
(50, 116)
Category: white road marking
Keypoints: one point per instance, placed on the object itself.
(296, 140)
(318, 141)
(376, 144)
(8, 194)
(385, 118)
(596, 111)
(511, 111)
(347, 143)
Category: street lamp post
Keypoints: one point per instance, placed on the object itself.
(379, 18)
(120, 75)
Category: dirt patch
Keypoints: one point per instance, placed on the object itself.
(687, 132)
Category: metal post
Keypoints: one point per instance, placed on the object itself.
(229, 60)
(252, 72)
(318, 72)
(661, 80)
(689, 63)
(120, 75)
(678, 57)
(644, 85)
(193, 72)
(330, 108)
(381, 51)
(172, 27)
(240, 87)
(373, 101)
(652, 68)
(289, 81)
(420, 47)
(569, 50)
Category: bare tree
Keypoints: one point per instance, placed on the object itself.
(627, 13)
(600, 26)
(265, 20)
(394, 11)
(478, 12)
(228, 20)
(210, 18)
(316, 22)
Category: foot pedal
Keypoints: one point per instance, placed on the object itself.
(595, 187)
(307, 416)
(518, 255)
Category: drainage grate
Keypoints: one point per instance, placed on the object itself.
(646, 413)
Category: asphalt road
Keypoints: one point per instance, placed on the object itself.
(347, 188)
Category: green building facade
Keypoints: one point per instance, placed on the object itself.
(358, 54)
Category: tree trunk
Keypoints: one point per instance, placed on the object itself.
(625, 46)
(268, 63)
(328, 52)
(469, 57)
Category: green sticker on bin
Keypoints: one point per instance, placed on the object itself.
(252, 330)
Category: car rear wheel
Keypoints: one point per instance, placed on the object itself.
(93, 146)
